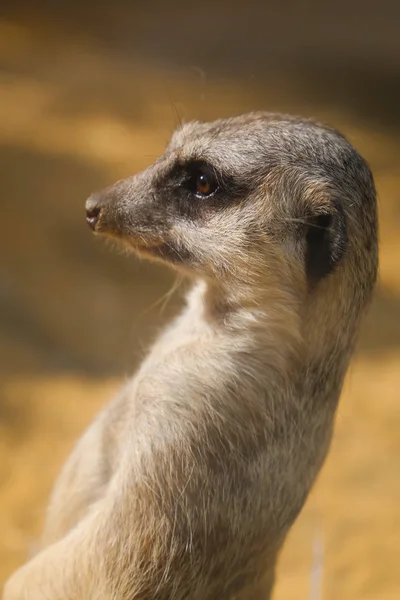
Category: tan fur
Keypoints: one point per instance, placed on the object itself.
(186, 485)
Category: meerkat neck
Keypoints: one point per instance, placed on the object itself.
(273, 329)
(269, 323)
(218, 302)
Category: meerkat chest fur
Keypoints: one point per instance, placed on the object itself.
(226, 382)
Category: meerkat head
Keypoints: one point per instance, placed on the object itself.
(243, 199)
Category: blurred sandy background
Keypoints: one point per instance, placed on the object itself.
(90, 93)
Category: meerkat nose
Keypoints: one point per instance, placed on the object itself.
(93, 209)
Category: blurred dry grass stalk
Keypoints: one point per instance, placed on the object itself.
(48, 107)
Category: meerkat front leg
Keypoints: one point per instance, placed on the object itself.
(66, 570)
(78, 566)
(81, 483)
(87, 472)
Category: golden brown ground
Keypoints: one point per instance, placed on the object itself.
(72, 313)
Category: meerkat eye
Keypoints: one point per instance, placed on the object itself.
(203, 184)
(201, 181)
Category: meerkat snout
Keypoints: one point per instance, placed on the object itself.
(93, 209)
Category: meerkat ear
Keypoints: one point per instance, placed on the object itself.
(326, 239)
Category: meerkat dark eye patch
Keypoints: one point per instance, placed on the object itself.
(194, 189)
(326, 239)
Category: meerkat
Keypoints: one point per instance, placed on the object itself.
(187, 484)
